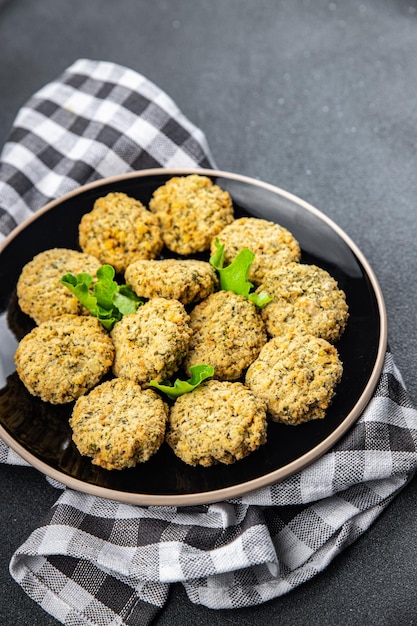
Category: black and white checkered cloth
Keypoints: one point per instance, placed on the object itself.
(94, 561)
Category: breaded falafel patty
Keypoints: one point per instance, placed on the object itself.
(39, 292)
(64, 357)
(184, 280)
(306, 299)
(271, 243)
(228, 333)
(191, 211)
(296, 376)
(151, 343)
(118, 230)
(219, 422)
(118, 424)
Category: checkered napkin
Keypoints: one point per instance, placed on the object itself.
(94, 561)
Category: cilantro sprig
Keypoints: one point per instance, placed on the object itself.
(199, 373)
(104, 298)
(234, 277)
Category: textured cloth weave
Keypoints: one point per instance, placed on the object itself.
(93, 561)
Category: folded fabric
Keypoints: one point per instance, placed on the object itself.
(94, 561)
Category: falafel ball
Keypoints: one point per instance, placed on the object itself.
(118, 424)
(191, 211)
(118, 230)
(64, 357)
(186, 280)
(271, 243)
(39, 291)
(228, 333)
(306, 299)
(151, 343)
(296, 376)
(218, 422)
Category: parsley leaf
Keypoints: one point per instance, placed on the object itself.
(199, 373)
(106, 299)
(234, 277)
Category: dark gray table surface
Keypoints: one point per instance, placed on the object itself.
(318, 98)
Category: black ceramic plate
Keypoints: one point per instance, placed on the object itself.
(39, 432)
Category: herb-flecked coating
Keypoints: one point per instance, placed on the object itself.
(118, 230)
(271, 243)
(39, 292)
(118, 424)
(186, 280)
(228, 333)
(64, 357)
(151, 343)
(296, 376)
(306, 299)
(219, 422)
(191, 211)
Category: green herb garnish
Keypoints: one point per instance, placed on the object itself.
(234, 277)
(199, 373)
(105, 299)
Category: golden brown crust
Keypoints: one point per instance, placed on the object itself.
(119, 230)
(271, 243)
(306, 300)
(118, 424)
(296, 376)
(228, 333)
(151, 343)
(191, 211)
(184, 280)
(39, 292)
(219, 422)
(63, 358)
